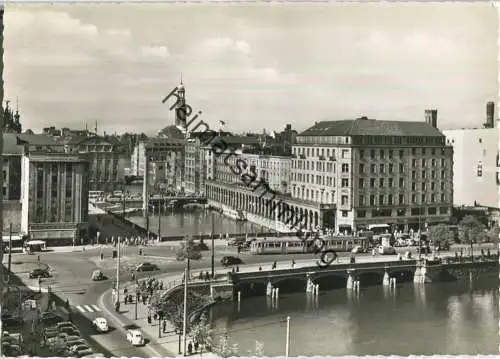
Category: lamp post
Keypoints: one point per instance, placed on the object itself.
(213, 248)
(471, 246)
(159, 217)
(136, 302)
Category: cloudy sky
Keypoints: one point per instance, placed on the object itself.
(252, 66)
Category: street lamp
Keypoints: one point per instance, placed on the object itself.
(136, 301)
(179, 333)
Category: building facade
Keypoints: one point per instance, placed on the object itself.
(12, 155)
(54, 193)
(375, 172)
(475, 161)
(138, 160)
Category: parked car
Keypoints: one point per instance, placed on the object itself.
(70, 331)
(230, 261)
(39, 273)
(386, 250)
(146, 267)
(97, 275)
(101, 324)
(80, 350)
(135, 337)
(359, 249)
(239, 241)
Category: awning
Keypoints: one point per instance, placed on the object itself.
(36, 243)
(16, 237)
(372, 226)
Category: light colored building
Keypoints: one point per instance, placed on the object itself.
(105, 156)
(274, 170)
(138, 160)
(365, 172)
(54, 193)
(475, 166)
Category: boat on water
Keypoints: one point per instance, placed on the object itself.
(237, 215)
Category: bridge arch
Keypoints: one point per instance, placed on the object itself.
(402, 275)
(370, 278)
(291, 285)
(332, 280)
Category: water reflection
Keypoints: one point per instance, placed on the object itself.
(444, 318)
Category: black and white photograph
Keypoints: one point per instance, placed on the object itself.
(216, 180)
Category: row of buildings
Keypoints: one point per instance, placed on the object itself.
(47, 178)
(342, 175)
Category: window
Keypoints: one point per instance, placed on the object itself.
(401, 153)
(423, 162)
(361, 154)
(391, 182)
(443, 210)
(391, 168)
(422, 198)
(344, 200)
(433, 198)
(373, 168)
(361, 200)
(433, 186)
(372, 154)
(401, 182)
(372, 200)
(433, 162)
(443, 198)
(345, 182)
(381, 182)
(382, 154)
(431, 210)
(372, 182)
(361, 168)
(401, 199)
(361, 183)
(413, 198)
(433, 153)
(345, 213)
(345, 168)
(423, 174)
(361, 213)
(479, 170)
(381, 168)
(413, 186)
(423, 186)
(381, 199)
(389, 199)
(413, 174)
(413, 151)
(390, 154)
(414, 162)
(401, 168)
(345, 153)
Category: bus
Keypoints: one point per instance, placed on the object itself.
(34, 246)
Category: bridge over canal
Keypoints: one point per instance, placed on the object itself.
(365, 274)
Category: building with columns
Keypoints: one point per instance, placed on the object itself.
(375, 172)
(54, 192)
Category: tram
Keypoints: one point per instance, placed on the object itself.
(297, 245)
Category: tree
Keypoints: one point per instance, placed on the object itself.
(201, 332)
(472, 229)
(492, 235)
(441, 236)
(188, 249)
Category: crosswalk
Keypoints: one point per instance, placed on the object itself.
(87, 308)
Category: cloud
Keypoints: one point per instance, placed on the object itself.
(155, 52)
(227, 44)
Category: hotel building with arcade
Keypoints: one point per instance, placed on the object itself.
(342, 175)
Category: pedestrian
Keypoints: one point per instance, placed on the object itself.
(488, 253)
(149, 318)
(293, 262)
(237, 269)
(233, 270)
(260, 268)
(164, 325)
(200, 277)
(196, 346)
(190, 348)
(274, 265)
(125, 300)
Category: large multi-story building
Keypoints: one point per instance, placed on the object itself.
(475, 163)
(106, 159)
(54, 193)
(375, 172)
(12, 155)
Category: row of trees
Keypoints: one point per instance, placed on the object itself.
(469, 228)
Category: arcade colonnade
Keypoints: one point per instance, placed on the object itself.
(293, 215)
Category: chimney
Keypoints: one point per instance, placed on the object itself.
(431, 117)
(490, 115)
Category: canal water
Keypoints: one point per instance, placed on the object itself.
(438, 318)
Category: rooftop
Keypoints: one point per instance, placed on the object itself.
(38, 140)
(370, 127)
(10, 145)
